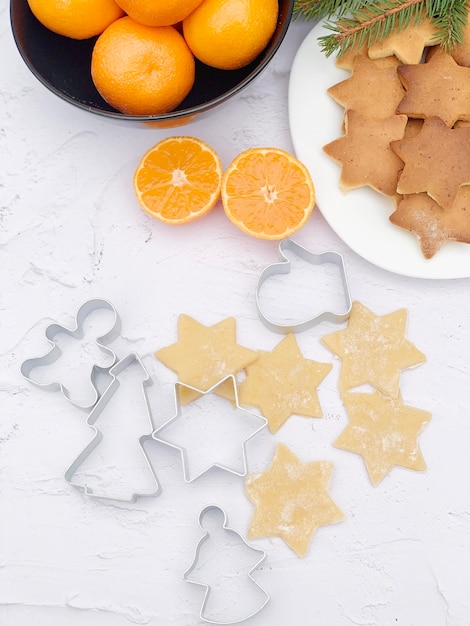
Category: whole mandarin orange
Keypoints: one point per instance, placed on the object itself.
(158, 12)
(142, 70)
(77, 19)
(229, 34)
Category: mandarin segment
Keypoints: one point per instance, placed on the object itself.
(384, 432)
(267, 193)
(291, 500)
(178, 180)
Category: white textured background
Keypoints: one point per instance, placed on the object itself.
(70, 230)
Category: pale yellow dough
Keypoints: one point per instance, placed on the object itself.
(204, 355)
(373, 350)
(384, 432)
(282, 383)
(291, 500)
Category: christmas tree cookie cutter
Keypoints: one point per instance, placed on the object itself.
(204, 613)
(93, 416)
(75, 333)
(284, 267)
(233, 403)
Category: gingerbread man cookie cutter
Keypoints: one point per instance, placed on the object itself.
(284, 267)
(77, 333)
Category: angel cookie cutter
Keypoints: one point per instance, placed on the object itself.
(76, 333)
(103, 402)
(207, 556)
(284, 267)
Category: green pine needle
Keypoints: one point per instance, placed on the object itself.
(356, 22)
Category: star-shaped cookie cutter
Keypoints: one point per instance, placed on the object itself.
(76, 332)
(98, 436)
(284, 267)
(183, 451)
(206, 536)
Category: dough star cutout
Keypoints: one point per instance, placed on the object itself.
(291, 500)
(282, 383)
(384, 432)
(373, 350)
(203, 355)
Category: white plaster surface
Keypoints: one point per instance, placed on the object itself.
(71, 230)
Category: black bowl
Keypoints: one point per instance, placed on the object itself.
(63, 66)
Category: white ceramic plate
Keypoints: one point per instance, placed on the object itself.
(359, 217)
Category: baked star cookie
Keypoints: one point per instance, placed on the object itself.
(365, 155)
(437, 161)
(282, 383)
(433, 225)
(373, 350)
(384, 431)
(407, 44)
(291, 500)
(372, 91)
(440, 87)
(203, 355)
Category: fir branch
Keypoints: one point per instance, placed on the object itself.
(371, 23)
(450, 23)
(356, 22)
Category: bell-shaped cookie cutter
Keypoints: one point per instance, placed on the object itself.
(75, 332)
(284, 267)
(186, 576)
(98, 436)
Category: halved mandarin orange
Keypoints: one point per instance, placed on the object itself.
(267, 193)
(178, 180)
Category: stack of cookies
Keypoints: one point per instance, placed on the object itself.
(407, 131)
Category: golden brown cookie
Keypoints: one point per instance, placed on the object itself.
(204, 355)
(372, 91)
(384, 431)
(365, 155)
(291, 500)
(407, 44)
(282, 383)
(373, 350)
(438, 87)
(437, 161)
(433, 225)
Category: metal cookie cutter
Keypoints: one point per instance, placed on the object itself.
(77, 332)
(199, 556)
(158, 434)
(98, 436)
(284, 267)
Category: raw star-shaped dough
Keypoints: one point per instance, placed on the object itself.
(433, 225)
(204, 355)
(365, 155)
(282, 383)
(291, 500)
(373, 350)
(372, 90)
(439, 87)
(407, 44)
(384, 432)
